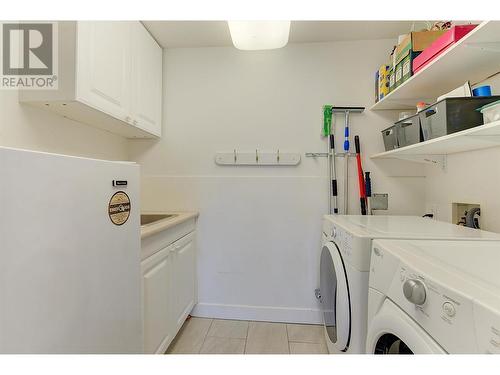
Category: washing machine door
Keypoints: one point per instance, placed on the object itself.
(392, 331)
(335, 297)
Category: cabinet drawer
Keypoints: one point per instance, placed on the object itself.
(153, 243)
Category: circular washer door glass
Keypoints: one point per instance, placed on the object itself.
(391, 344)
(335, 296)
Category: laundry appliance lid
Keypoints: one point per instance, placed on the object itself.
(411, 227)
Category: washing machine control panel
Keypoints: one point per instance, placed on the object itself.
(444, 313)
(343, 239)
(426, 292)
(355, 250)
(415, 291)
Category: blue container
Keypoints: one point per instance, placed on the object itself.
(482, 91)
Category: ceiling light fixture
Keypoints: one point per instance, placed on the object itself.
(259, 35)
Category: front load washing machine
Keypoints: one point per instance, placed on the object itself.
(434, 297)
(345, 263)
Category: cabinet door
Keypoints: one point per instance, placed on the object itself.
(184, 273)
(103, 66)
(146, 80)
(157, 301)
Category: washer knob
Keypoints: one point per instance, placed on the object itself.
(414, 291)
(334, 232)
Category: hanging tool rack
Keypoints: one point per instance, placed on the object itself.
(332, 155)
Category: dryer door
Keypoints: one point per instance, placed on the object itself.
(335, 297)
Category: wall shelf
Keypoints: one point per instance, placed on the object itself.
(434, 151)
(474, 58)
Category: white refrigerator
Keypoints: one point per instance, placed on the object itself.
(69, 254)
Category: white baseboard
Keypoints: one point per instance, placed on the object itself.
(258, 313)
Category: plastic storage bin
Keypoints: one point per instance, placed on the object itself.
(389, 137)
(452, 115)
(408, 131)
(491, 112)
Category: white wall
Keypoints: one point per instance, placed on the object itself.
(470, 177)
(31, 128)
(259, 228)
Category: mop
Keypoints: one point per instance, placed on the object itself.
(328, 131)
(346, 163)
(361, 179)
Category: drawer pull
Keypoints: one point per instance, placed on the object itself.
(430, 112)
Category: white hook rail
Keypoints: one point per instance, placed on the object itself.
(257, 158)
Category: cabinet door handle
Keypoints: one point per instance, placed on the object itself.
(430, 113)
(135, 122)
(127, 118)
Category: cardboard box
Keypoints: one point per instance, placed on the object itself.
(442, 43)
(406, 68)
(398, 75)
(383, 81)
(392, 58)
(416, 41)
(407, 65)
(392, 80)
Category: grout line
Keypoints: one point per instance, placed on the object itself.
(246, 338)
(287, 339)
(206, 334)
(304, 342)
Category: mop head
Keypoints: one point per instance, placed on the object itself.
(327, 120)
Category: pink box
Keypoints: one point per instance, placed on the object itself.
(440, 45)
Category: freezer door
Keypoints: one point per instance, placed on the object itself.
(69, 276)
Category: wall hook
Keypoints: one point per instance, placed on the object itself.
(257, 158)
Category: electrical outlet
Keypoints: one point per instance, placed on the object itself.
(379, 201)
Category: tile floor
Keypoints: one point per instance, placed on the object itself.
(215, 336)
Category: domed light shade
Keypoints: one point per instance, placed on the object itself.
(258, 35)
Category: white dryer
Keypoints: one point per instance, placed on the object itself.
(345, 262)
(434, 297)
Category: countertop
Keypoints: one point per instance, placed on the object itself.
(161, 225)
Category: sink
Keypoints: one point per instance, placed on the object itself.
(152, 218)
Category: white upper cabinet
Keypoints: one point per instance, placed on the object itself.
(110, 76)
(146, 81)
(104, 59)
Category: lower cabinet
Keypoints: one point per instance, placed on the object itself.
(169, 292)
(183, 280)
(157, 301)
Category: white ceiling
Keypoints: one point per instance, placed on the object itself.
(172, 34)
